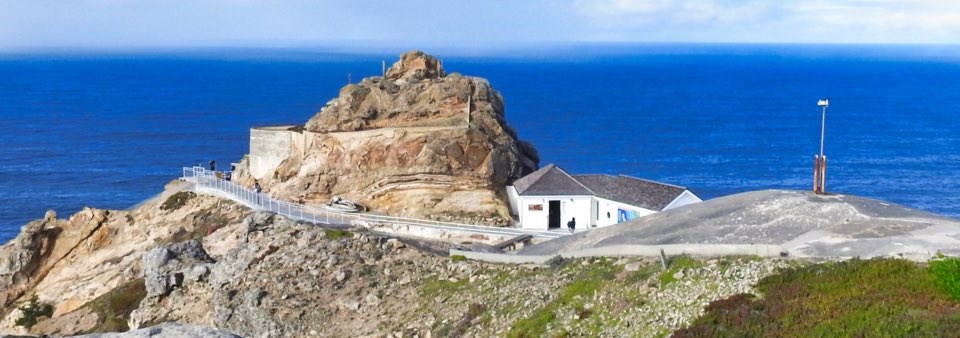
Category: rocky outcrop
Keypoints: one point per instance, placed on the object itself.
(167, 267)
(70, 262)
(268, 276)
(292, 279)
(417, 143)
(21, 258)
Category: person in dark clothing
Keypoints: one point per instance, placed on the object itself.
(213, 165)
(256, 189)
(572, 224)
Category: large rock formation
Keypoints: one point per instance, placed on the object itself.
(405, 145)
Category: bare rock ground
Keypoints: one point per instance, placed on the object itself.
(802, 223)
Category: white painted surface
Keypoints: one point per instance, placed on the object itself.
(685, 198)
(608, 211)
(514, 199)
(570, 207)
(590, 211)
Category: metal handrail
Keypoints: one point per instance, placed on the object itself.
(209, 181)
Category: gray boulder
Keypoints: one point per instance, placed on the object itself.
(169, 329)
(166, 267)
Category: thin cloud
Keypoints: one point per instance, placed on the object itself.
(468, 24)
(891, 21)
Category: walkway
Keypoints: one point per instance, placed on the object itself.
(207, 182)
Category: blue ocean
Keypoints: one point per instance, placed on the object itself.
(108, 130)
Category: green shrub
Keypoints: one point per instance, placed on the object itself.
(458, 258)
(32, 311)
(177, 200)
(335, 234)
(433, 287)
(674, 265)
(947, 273)
(642, 274)
(855, 298)
(114, 307)
(571, 296)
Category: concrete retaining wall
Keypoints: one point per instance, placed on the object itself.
(446, 235)
(678, 249)
(269, 146)
(502, 258)
(708, 250)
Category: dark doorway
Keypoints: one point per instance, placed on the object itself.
(553, 220)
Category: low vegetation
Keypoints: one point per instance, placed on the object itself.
(675, 265)
(855, 298)
(177, 200)
(336, 234)
(32, 312)
(947, 273)
(572, 295)
(113, 308)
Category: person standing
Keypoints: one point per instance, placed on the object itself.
(572, 224)
(213, 165)
(256, 190)
(229, 175)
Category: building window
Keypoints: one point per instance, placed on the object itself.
(535, 207)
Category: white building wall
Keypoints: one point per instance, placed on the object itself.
(685, 198)
(607, 207)
(570, 207)
(514, 199)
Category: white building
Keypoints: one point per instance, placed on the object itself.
(549, 198)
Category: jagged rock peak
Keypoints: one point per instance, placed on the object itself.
(416, 64)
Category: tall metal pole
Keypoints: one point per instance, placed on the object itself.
(820, 164)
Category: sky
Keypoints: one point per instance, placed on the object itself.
(468, 24)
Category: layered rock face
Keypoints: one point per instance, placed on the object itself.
(417, 143)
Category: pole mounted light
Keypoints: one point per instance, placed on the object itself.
(820, 161)
(823, 122)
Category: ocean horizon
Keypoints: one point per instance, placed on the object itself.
(108, 129)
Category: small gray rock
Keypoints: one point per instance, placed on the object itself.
(372, 300)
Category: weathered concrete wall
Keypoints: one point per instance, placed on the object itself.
(709, 250)
(502, 258)
(702, 250)
(449, 235)
(271, 145)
